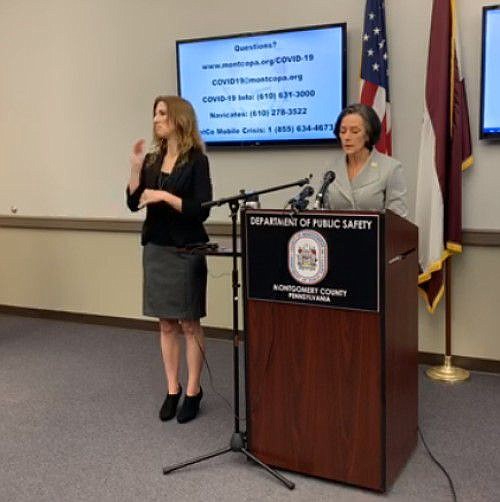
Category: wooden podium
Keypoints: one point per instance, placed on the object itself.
(330, 314)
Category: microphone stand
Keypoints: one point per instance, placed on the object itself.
(238, 438)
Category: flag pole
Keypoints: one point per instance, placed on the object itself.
(447, 372)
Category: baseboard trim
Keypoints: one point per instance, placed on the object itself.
(101, 320)
(430, 358)
(465, 362)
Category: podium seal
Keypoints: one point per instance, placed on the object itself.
(308, 257)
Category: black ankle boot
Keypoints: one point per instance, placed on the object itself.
(189, 408)
(169, 406)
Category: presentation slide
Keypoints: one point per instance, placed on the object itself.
(281, 86)
(491, 105)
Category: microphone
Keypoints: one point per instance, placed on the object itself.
(328, 179)
(300, 202)
(305, 181)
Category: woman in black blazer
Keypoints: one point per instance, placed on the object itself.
(171, 182)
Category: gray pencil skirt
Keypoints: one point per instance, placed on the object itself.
(175, 284)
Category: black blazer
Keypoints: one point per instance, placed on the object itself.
(191, 182)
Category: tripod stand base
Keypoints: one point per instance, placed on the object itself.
(289, 484)
(237, 444)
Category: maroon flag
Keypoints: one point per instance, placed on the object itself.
(445, 151)
(374, 88)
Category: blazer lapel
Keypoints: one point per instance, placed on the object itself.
(342, 183)
(369, 174)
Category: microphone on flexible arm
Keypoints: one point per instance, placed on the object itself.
(300, 202)
(328, 179)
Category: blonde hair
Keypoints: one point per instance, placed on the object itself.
(183, 117)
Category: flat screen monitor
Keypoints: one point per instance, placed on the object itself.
(281, 87)
(490, 75)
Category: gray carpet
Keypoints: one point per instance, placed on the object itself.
(78, 422)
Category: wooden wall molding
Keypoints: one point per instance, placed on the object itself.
(471, 237)
(92, 224)
(488, 238)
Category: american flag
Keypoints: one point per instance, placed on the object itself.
(374, 89)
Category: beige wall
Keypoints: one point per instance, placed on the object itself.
(78, 78)
(76, 89)
(100, 273)
(89, 272)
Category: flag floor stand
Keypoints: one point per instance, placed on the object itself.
(447, 372)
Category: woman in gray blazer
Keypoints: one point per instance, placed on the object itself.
(365, 179)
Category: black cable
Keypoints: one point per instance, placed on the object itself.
(266, 366)
(452, 487)
(264, 374)
(212, 385)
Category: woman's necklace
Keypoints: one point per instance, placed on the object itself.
(168, 163)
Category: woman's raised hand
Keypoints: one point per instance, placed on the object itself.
(136, 161)
(137, 156)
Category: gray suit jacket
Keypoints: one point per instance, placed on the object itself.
(379, 185)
